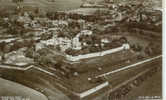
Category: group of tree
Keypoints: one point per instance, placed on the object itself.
(7, 47)
(137, 47)
(153, 49)
(17, 1)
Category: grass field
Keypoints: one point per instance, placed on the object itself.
(44, 4)
(152, 87)
(8, 88)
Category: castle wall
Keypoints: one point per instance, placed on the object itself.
(90, 55)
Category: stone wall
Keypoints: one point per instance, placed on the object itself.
(97, 54)
(93, 90)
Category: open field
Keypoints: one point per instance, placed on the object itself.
(49, 85)
(152, 87)
(58, 5)
(61, 5)
(121, 77)
(43, 4)
(8, 88)
(36, 80)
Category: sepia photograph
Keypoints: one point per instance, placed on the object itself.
(81, 50)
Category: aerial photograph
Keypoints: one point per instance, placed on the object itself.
(81, 49)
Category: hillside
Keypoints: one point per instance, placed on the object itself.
(62, 4)
(43, 4)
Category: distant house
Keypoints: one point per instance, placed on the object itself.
(86, 32)
(39, 46)
(105, 40)
(87, 5)
(59, 23)
(76, 44)
(64, 43)
(23, 19)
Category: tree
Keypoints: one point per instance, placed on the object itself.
(137, 47)
(37, 11)
(123, 39)
(17, 1)
(29, 53)
(44, 60)
(2, 45)
(7, 49)
(2, 52)
(43, 52)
